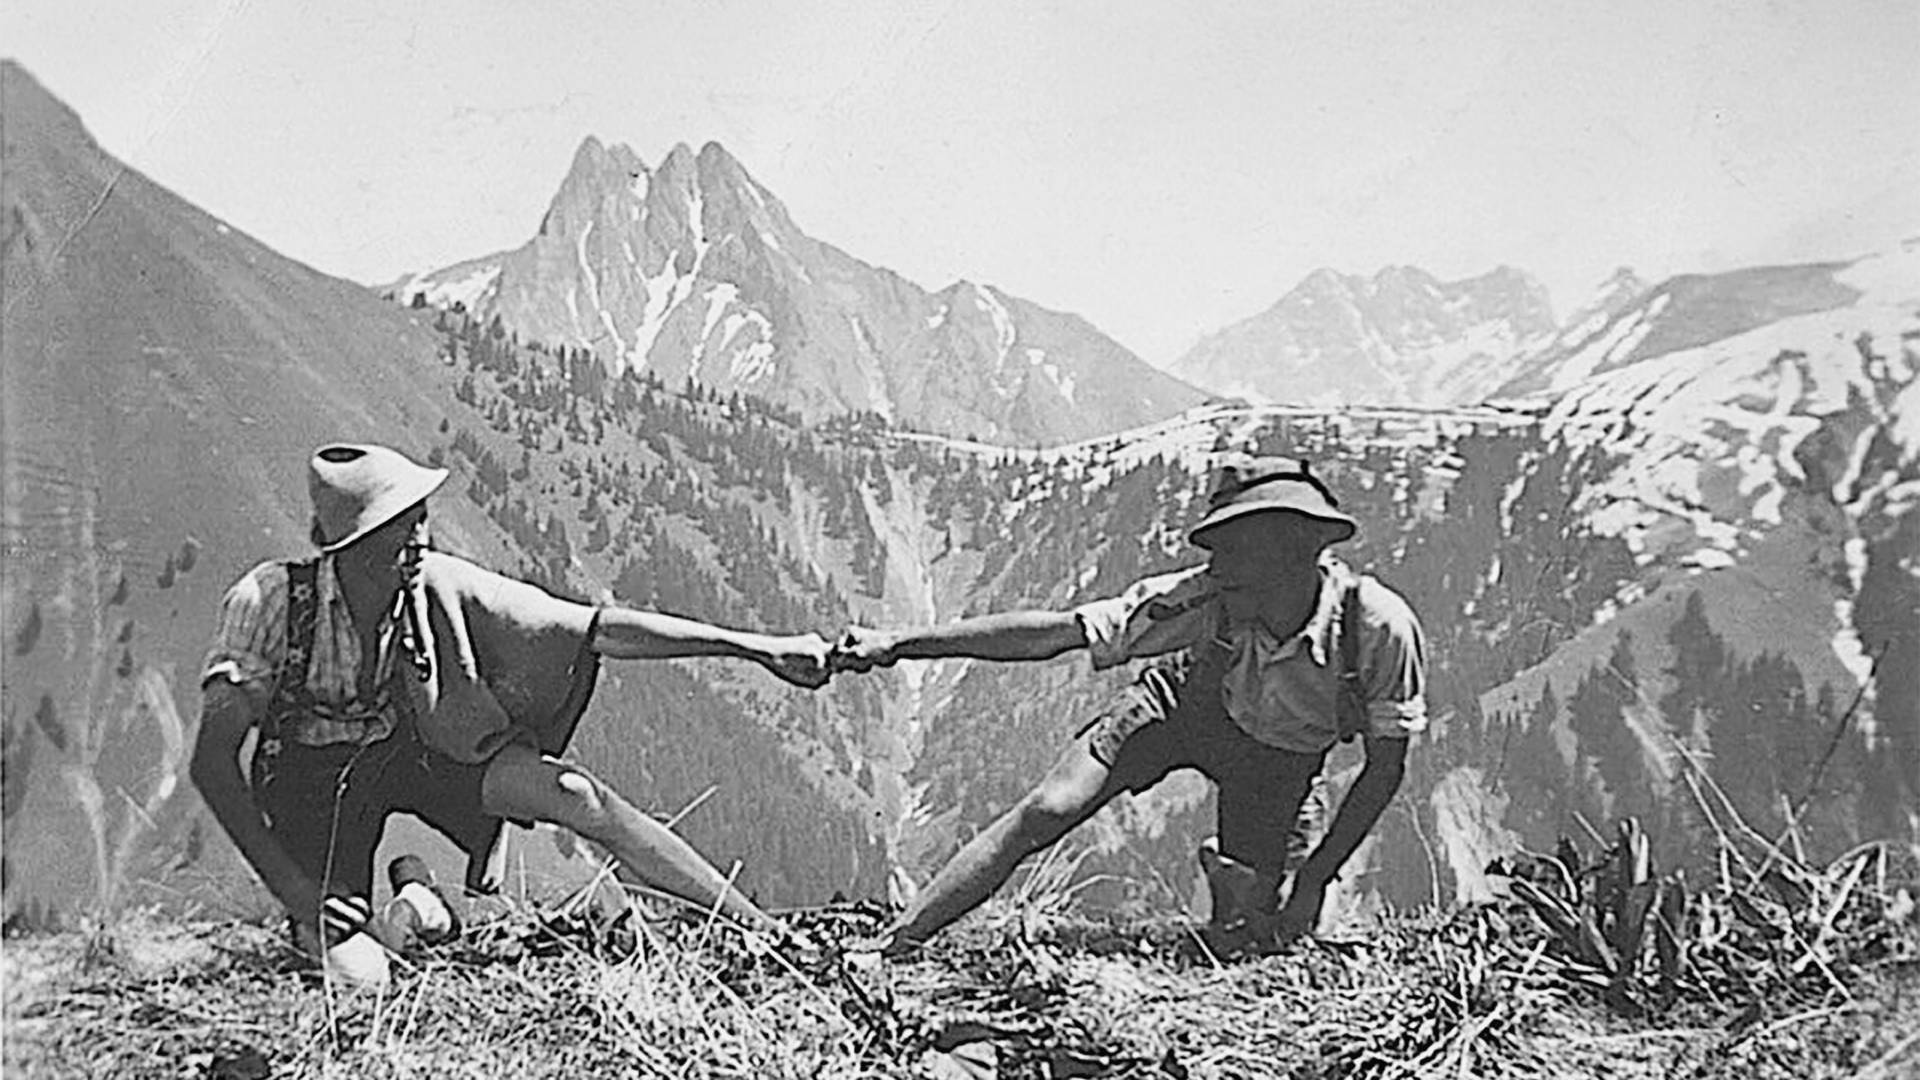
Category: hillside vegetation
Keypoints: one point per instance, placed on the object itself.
(727, 508)
(1591, 967)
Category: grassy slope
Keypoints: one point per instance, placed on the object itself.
(1824, 983)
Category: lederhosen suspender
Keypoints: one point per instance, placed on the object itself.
(290, 694)
(1350, 704)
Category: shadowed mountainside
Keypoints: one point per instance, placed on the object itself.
(1691, 567)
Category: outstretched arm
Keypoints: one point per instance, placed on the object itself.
(1372, 790)
(629, 634)
(1013, 635)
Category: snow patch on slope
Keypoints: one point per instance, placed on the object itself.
(1708, 435)
(464, 285)
(1003, 328)
(718, 298)
(1621, 338)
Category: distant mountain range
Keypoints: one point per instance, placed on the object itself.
(1680, 543)
(1633, 322)
(1401, 338)
(692, 269)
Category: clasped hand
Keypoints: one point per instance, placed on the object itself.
(807, 660)
(801, 659)
(861, 649)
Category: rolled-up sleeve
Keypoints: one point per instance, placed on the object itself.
(1155, 615)
(251, 635)
(1393, 663)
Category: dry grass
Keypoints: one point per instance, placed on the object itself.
(1815, 976)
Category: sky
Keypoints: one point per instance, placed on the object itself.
(1163, 169)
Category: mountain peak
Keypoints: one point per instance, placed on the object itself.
(696, 271)
(712, 154)
(722, 175)
(591, 155)
(1402, 275)
(30, 107)
(679, 162)
(601, 165)
(1399, 337)
(1325, 279)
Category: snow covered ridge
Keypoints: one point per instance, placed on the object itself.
(1692, 311)
(468, 284)
(1197, 437)
(1713, 436)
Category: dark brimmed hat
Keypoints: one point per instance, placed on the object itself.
(356, 489)
(1251, 485)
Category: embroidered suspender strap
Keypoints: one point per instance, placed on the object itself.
(290, 682)
(1351, 705)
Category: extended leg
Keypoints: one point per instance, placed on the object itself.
(1077, 786)
(522, 785)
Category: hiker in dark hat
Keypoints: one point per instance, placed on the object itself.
(1276, 651)
(385, 676)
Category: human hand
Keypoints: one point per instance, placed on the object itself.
(861, 649)
(800, 659)
(1302, 911)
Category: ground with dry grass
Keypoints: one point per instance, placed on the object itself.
(1814, 975)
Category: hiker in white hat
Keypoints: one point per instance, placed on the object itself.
(1278, 652)
(384, 676)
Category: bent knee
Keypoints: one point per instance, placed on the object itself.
(553, 791)
(1049, 811)
(584, 802)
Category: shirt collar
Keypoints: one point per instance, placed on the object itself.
(1315, 633)
(327, 583)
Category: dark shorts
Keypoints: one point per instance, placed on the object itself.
(327, 805)
(1272, 802)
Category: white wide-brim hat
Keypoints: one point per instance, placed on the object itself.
(358, 488)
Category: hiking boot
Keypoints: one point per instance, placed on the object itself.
(418, 905)
(1246, 903)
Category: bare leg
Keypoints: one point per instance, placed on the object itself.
(1074, 788)
(522, 784)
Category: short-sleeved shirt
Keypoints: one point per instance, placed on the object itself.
(524, 644)
(1283, 693)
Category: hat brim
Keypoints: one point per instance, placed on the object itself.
(393, 502)
(1340, 526)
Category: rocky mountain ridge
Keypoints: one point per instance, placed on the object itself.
(693, 270)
